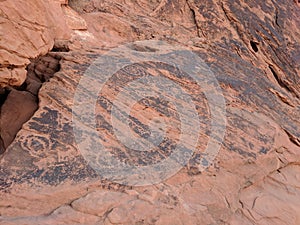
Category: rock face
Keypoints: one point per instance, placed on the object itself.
(28, 32)
(251, 47)
(21, 103)
(28, 29)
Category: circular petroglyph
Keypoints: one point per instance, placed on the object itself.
(145, 134)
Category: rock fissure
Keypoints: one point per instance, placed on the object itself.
(282, 81)
(195, 13)
(18, 104)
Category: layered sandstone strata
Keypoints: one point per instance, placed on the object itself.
(253, 50)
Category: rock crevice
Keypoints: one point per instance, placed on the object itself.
(18, 104)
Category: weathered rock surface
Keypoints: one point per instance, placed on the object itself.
(253, 49)
(28, 29)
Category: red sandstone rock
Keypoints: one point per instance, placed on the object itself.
(21, 105)
(253, 49)
(29, 29)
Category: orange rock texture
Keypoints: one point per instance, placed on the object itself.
(252, 48)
